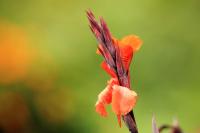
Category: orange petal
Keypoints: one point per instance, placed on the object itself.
(123, 100)
(119, 120)
(115, 41)
(113, 81)
(107, 68)
(133, 41)
(100, 108)
(126, 55)
(105, 97)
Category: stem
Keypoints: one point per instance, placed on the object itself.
(129, 119)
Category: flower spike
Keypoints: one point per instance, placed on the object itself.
(117, 56)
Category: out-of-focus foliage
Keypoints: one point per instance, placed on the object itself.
(50, 74)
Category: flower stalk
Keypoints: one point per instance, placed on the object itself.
(117, 65)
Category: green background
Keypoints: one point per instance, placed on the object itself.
(164, 73)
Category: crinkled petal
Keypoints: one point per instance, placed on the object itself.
(123, 100)
(133, 41)
(100, 108)
(105, 97)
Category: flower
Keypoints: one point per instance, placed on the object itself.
(117, 58)
(122, 99)
(16, 55)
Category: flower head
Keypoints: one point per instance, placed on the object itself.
(118, 55)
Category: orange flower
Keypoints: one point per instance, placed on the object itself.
(122, 99)
(16, 54)
(117, 56)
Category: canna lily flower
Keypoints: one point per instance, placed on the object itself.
(117, 56)
(122, 99)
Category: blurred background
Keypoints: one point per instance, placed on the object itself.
(50, 75)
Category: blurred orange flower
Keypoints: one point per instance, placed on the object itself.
(15, 53)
